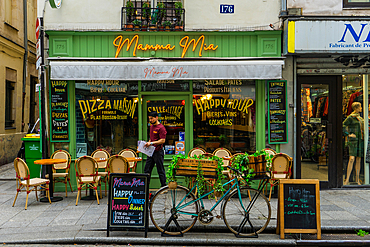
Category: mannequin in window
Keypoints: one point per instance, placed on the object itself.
(353, 129)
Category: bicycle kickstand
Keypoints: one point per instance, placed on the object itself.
(172, 218)
(242, 224)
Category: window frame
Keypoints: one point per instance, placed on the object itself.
(347, 4)
(9, 104)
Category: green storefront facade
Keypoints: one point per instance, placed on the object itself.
(209, 89)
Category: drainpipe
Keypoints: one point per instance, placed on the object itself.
(25, 59)
(284, 10)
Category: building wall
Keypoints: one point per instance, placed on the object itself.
(11, 56)
(77, 15)
(327, 7)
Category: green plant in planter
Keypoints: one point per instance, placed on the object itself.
(171, 170)
(136, 22)
(178, 9)
(268, 159)
(198, 141)
(222, 138)
(146, 11)
(218, 184)
(240, 163)
(161, 12)
(130, 11)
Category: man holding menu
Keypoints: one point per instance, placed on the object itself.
(157, 139)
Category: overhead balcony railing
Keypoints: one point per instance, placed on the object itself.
(152, 19)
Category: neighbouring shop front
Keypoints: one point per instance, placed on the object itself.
(331, 74)
(209, 89)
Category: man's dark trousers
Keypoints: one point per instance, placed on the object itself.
(157, 159)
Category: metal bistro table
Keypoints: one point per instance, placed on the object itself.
(91, 195)
(49, 163)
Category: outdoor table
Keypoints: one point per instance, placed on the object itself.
(49, 163)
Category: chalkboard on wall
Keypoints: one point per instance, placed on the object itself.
(299, 206)
(128, 202)
(277, 112)
(59, 112)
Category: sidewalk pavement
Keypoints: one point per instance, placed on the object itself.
(342, 213)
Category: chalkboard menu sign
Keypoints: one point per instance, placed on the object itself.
(277, 112)
(128, 202)
(59, 111)
(299, 206)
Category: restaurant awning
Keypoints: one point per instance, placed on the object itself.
(159, 69)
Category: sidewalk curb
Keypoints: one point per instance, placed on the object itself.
(159, 241)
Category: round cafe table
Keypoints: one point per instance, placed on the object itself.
(49, 163)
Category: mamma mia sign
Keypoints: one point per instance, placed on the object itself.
(328, 36)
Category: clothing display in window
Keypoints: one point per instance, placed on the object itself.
(354, 124)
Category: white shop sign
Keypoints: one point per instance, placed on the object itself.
(328, 36)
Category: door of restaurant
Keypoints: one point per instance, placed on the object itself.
(319, 129)
(174, 113)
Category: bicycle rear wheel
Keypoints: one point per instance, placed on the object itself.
(248, 215)
(171, 217)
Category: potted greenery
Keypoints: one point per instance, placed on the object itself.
(178, 10)
(161, 13)
(145, 12)
(171, 171)
(167, 25)
(137, 24)
(130, 11)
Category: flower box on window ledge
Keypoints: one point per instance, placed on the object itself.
(153, 19)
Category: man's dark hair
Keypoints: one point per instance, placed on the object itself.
(153, 114)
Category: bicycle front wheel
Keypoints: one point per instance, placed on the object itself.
(247, 214)
(174, 211)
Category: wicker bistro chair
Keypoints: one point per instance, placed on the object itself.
(102, 166)
(24, 182)
(280, 169)
(196, 151)
(223, 152)
(269, 151)
(118, 164)
(87, 175)
(61, 171)
(128, 153)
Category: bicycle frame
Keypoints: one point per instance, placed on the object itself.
(236, 185)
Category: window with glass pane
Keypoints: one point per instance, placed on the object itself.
(356, 3)
(353, 130)
(106, 116)
(224, 115)
(171, 113)
(9, 98)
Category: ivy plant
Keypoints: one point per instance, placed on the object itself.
(171, 170)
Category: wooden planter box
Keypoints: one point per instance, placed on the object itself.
(258, 164)
(189, 167)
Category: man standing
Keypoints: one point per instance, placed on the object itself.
(157, 139)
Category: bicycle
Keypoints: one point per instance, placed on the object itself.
(245, 211)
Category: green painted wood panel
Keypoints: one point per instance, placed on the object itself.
(230, 44)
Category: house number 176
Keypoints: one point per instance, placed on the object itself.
(226, 9)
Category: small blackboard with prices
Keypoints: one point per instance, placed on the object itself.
(277, 112)
(128, 202)
(299, 206)
(59, 111)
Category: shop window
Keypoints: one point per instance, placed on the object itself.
(224, 115)
(106, 116)
(354, 133)
(356, 3)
